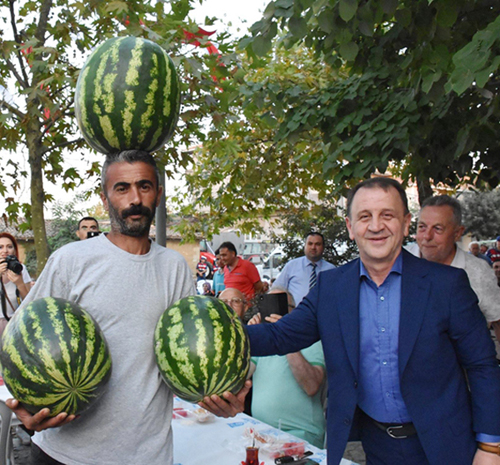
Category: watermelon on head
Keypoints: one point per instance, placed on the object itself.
(201, 348)
(127, 96)
(54, 355)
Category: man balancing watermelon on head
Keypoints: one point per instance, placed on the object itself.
(125, 281)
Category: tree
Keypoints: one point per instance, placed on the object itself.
(415, 83)
(481, 213)
(332, 91)
(42, 45)
(243, 171)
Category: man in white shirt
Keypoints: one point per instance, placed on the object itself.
(439, 227)
(298, 275)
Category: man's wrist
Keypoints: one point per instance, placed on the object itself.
(489, 447)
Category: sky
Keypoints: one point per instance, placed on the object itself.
(236, 17)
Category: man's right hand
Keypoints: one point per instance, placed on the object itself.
(40, 420)
(257, 319)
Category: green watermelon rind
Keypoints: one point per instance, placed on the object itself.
(54, 355)
(215, 359)
(127, 96)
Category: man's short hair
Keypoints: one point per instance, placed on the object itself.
(229, 246)
(88, 218)
(315, 233)
(445, 200)
(380, 183)
(128, 156)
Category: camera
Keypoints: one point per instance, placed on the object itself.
(93, 234)
(13, 264)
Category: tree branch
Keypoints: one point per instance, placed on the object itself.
(14, 71)
(43, 21)
(61, 145)
(18, 39)
(12, 109)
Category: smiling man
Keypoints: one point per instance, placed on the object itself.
(397, 333)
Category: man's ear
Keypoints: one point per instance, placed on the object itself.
(158, 197)
(104, 201)
(349, 227)
(459, 232)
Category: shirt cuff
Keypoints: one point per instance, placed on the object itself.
(481, 437)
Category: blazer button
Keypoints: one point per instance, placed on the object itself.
(355, 384)
(347, 421)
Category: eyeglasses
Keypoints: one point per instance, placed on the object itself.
(234, 300)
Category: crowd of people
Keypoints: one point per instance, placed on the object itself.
(393, 349)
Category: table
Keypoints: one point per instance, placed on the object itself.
(222, 441)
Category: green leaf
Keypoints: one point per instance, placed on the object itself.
(389, 6)
(366, 28)
(298, 26)
(447, 14)
(349, 51)
(347, 9)
(325, 21)
(261, 45)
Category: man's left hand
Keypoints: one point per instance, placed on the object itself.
(229, 405)
(485, 458)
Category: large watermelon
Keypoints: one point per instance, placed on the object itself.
(201, 348)
(54, 355)
(127, 96)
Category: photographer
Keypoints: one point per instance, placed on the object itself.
(16, 281)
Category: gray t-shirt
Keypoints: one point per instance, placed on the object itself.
(126, 294)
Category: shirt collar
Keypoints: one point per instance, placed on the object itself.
(397, 267)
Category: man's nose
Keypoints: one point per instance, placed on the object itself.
(135, 197)
(376, 224)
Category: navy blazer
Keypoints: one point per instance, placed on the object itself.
(441, 333)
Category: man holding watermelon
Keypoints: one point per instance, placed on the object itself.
(125, 281)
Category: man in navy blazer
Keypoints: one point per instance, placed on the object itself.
(399, 333)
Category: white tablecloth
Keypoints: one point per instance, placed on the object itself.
(222, 441)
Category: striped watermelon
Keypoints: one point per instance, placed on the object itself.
(54, 355)
(201, 348)
(127, 96)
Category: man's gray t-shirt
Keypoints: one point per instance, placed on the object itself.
(126, 294)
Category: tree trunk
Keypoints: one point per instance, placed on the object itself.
(34, 139)
(424, 189)
(37, 193)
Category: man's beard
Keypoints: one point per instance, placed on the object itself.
(136, 228)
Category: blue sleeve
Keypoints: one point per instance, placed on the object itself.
(293, 332)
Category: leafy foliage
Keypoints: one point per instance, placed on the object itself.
(398, 91)
(330, 91)
(481, 214)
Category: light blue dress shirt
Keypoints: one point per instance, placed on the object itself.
(379, 309)
(295, 276)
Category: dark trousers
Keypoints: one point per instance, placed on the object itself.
(381, 449)
(39, 457)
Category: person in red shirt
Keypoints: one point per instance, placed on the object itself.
(239, 273)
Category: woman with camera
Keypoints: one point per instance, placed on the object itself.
(16, 281)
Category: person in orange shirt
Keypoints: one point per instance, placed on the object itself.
(239, 273)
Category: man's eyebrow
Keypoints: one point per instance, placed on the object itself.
(121, 184)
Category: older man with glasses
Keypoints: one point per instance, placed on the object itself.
(236, 300)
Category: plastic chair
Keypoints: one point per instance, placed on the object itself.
(6, 446)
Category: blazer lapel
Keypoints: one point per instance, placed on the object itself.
(414, 297)
(348, 310)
